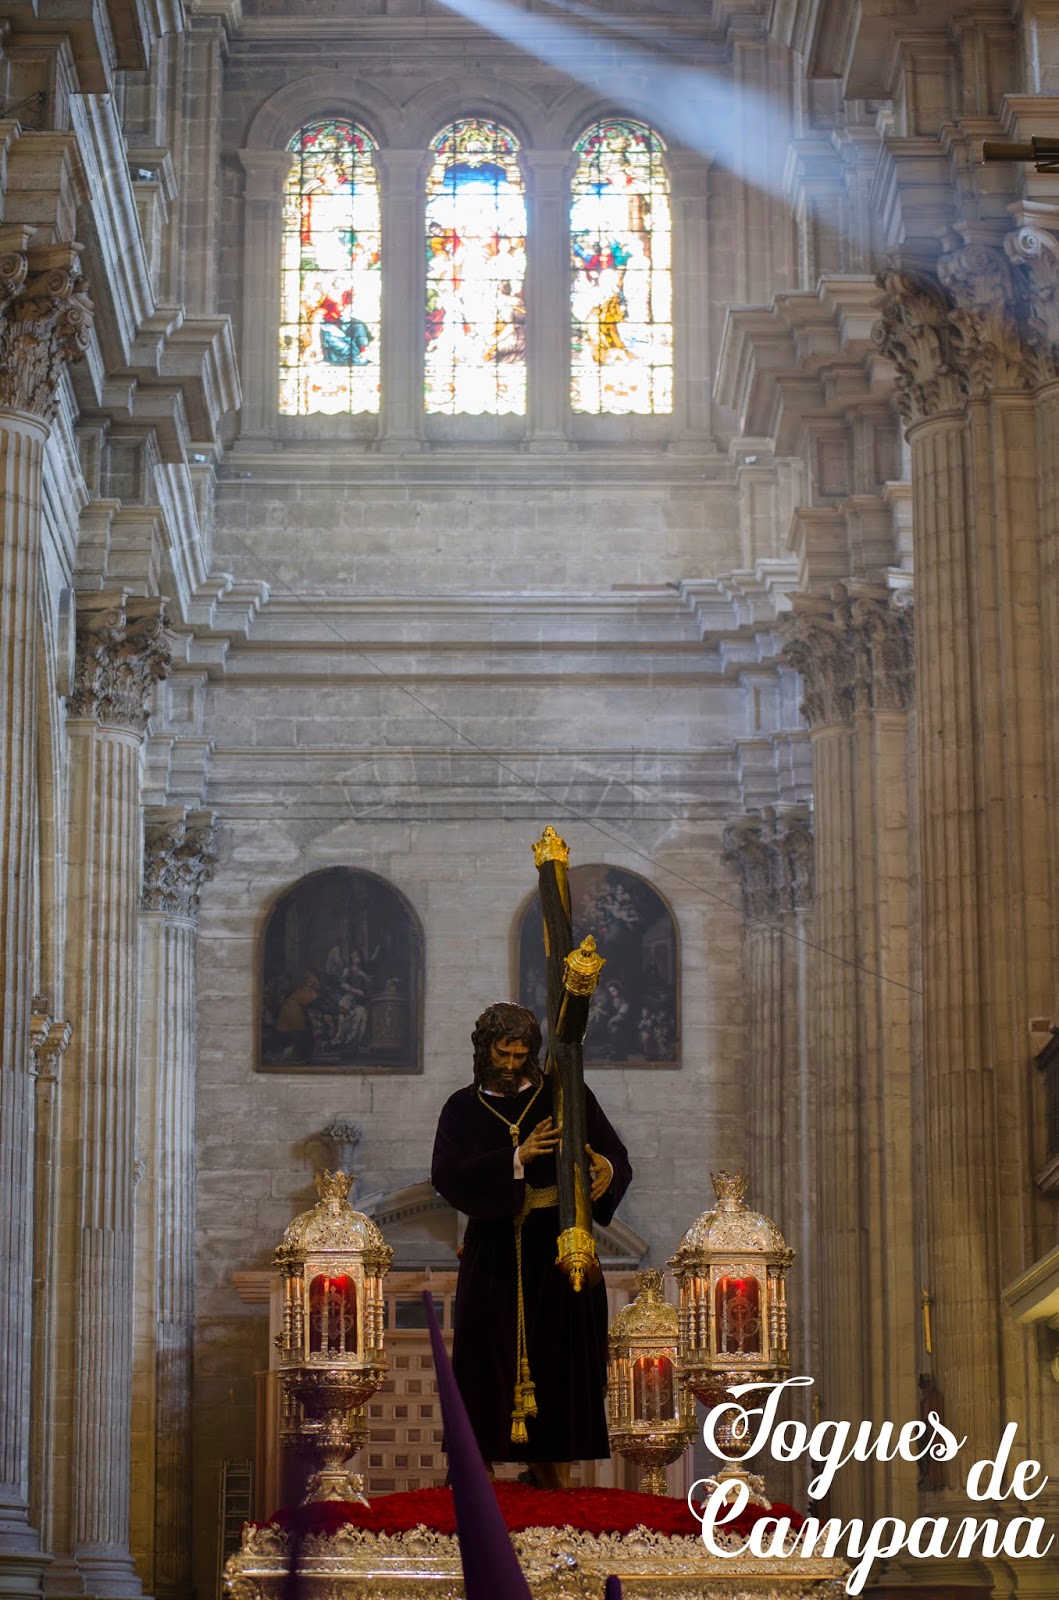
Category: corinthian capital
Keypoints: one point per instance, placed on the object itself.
(745, 845)
(915, 333)
(817, 644)
(45, 321)
(773, 850)
(988, 316)
(179, 857)
(123, 650)
(881, 628)
(1036, 250)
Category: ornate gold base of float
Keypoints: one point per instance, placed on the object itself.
(559, 1564)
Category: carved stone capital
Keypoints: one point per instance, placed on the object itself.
(818, 645)
(883, 649)
(745, 845)
(773, 850)
(915, 332)
(1036, 251)
(45, 321)
(123, 650)
(48, 1041)
(988, 316)
(179, 858)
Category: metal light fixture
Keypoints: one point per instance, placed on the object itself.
(332, 1261)
(732, 1267)
(652, 1416)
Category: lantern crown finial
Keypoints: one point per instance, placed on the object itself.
(649, 1282)
(333, 1185)
(730, 1189)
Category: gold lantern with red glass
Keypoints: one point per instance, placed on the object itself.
(331, 1359)
(651, 1414)
(732, 1267)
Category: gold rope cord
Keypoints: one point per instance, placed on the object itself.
(525, 1396)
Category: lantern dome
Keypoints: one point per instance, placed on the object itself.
(649, 1316)
(332, 1223)
(731, 1225)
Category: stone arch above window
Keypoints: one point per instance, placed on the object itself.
(341, 963)
(634, 1020)
(475, 333)
(331, 273)
(621, 294)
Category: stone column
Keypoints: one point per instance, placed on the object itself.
(49, 1040)
(44, 322)
(773, 852)
(178, 859)
(817, 644)
(401, 176)
(122, 650)
(548, 277)
(962, 350)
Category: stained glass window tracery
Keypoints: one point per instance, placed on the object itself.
(476, 264)
(621, 298)
(331, 273)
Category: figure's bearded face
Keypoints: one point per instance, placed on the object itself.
(507, 1064)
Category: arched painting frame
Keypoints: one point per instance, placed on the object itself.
(635, 1015)
(341, 963)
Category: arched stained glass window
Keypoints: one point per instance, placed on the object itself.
(622, 353)
(476, 263)
(329, 319)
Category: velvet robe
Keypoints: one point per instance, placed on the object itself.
(566, 1332)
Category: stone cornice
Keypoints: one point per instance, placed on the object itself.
(45, 319)
(123, 649)
(807, 352)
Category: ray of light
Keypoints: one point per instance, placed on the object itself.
(735, 125)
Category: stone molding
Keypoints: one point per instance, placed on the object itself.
(179, 856)
(48, 1040)
(123, 650)
(854, 651)
(45, 321)
(773, 850)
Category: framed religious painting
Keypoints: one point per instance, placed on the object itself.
(341, 977)
(634, 1020)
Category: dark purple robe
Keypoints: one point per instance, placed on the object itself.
(566, 1332)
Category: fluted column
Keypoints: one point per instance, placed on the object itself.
(49, 1041)
(178, 860)
(964, 352)
(773, 851)
(44, 322)
(122, 650)
(817, 644)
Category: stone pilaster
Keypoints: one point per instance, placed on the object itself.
(179, 856)
(773, 851)
(404, 301)
(548, 298)
(853, 652)
(44, 322)
(49, 1040)
(122, 650)
(968, 348)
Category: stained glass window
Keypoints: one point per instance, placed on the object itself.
(622, 352)
(329, 320)
(476, 263)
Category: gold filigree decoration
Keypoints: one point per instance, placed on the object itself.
(550, 847)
